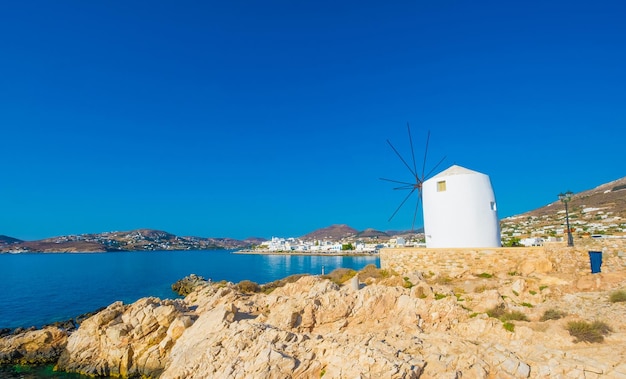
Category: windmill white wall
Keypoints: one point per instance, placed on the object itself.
(460, 210)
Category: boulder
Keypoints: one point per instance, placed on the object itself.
(42, 346)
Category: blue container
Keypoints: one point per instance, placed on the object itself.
(595, 258)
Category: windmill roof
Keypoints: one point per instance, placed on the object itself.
(455, 170)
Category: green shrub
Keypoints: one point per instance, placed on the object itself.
(439, 296)
(509, 326)
(541, 288)
(583, 331)
(515, 292)
(532, 292)
(527, 305)
(617, 296)
(552, 314)
(407, 283)
(485, 275)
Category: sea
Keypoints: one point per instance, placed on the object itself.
(38, 289)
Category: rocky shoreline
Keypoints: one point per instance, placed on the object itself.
(372, 324)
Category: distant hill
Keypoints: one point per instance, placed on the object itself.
(6, 240)
(371, 233)
(134, 240)
(601, 210)
(341, 232)
(333, 233)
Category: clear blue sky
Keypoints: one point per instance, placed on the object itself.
(242, 118)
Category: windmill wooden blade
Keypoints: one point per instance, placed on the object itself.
(396, 181)
(417, 205)
(402, 159)
(401, 204)
(412, 151)
(425, 154)
(437, 165)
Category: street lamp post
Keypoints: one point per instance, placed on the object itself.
(565, 198)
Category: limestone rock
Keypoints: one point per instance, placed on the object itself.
(126, 340)
(33, 346)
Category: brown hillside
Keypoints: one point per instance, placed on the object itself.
(601, 210)
(333, 232)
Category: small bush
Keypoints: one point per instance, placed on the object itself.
(248, 286)
(485, 275)
(552, 314)
(514, 316)
(527, 305)
(419, 292)
(407, 283)
(501, 314)
(340, 275)
(541, 288)
(515, 292)
(513, 273)
(481, 289)
(443, 279)
(509, 326)
(617, 296)
(439, 296)
(583, 331)
(496, 312)
(271, 286)
(473, 315)
(373, 272)
(532, 292)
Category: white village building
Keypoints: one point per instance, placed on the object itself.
(460, 210)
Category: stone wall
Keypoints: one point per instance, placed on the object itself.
(551, 258)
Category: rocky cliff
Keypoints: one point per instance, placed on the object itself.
(375, 325)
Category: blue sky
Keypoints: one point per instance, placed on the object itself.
(238, 119)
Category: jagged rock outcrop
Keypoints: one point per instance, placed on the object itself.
(188, 284)
(127, 340)
(40, 346)
(431, 328)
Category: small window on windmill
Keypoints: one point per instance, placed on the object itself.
(493, 206)
(441, 186)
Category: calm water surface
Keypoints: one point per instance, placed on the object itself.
(38, 289)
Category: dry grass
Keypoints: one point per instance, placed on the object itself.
(248, 286)
(552, 314)
(501, 314)
(271, 286)
(617, 296)
(340, 275)
(372, 272)
(584, 331)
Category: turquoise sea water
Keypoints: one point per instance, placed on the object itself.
(37, 289)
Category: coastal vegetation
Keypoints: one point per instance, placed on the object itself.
(584, 331)
(552, 314)
(617, 296)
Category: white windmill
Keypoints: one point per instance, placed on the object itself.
(460, 210)
(459, 204)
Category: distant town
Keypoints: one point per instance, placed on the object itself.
(596, 213)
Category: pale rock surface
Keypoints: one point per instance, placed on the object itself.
(34, 346)
(126, 340)
(314, 327)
